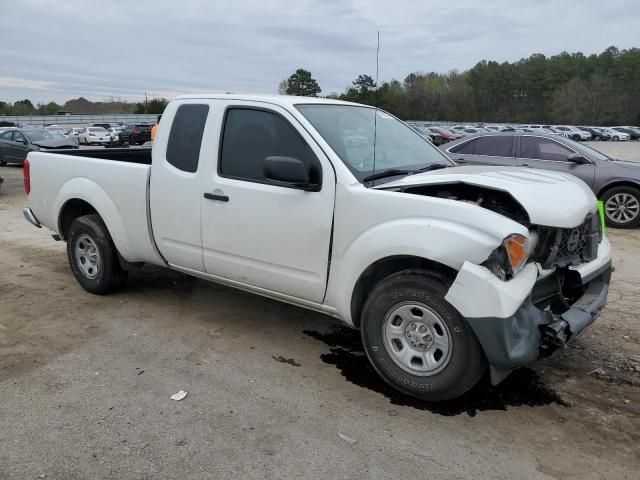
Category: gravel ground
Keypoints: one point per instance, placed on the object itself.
(275, 391)
(618, 150)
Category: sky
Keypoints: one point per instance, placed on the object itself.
(58, 50)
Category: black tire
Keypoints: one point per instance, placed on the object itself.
(89, 233)
(466, 362)
(576, 138)
(2, 162)
(615, 139)
(628, 196)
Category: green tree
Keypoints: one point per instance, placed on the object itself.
(303, 84)
(23, 107)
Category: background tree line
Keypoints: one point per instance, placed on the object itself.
(599, 89)
(82, 106)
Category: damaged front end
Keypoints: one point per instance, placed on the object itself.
(523, 312)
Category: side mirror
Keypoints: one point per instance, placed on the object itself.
(288, 172)
(577, 159)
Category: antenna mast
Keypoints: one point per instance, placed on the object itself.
(375, 109)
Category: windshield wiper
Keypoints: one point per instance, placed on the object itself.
(391, 172)
(428, 168)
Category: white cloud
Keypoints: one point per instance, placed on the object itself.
(122, 48)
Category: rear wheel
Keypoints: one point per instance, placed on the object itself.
(416, 341)
(2, 162)
(622, 207)
(93, 257)
(615, 138)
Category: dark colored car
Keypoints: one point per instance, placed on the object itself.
(596, 135)
(615, 182)
(16, 143)
(135, 133)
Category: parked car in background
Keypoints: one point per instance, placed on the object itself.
(597, 135)
(632, 132)
(75, 131)
(615, 135)
(135, 133)
(114, 134)
(93, 135)
(466, 130)
(573, 133)
(540, 129)
(16, 143)
(615, 182)
(447, 135)
(57, 128)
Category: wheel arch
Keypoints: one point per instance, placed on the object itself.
(72, 209)
(82, 196)
(387, 266)
(618, 182)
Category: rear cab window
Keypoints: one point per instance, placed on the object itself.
(185, 137)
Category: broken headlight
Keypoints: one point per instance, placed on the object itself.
(506, 261)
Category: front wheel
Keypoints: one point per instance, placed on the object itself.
(416, 341)
(615, 139)
(93, 257)
(622, 207)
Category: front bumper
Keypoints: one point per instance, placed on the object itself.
(515, 329)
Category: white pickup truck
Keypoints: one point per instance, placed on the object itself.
(448, 271)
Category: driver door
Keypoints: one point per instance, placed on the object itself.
(258, 232)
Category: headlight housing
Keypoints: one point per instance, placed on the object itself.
(510, 258)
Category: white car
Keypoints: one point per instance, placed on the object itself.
(449, 272)
(540, 129)
(114, 133)
(573, 133)
(615, 135)
(91, 135)
(75, 131)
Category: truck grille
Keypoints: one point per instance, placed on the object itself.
(562, 247)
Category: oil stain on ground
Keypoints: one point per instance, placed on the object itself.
(289, 361)
(522, 387)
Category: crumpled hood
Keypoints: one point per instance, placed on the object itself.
(550, 198)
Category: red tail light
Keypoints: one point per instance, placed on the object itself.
(26, 173)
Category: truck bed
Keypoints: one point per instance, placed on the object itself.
(113, 181)
(129, 155)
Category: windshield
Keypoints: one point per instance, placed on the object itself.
(97, 130)
(590, 152)
(39, 135)
(349, 130)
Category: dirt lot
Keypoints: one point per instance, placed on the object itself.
(276, 391)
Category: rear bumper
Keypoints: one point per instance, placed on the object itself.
(31, 218)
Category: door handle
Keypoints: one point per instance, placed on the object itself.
(213, 196)
(524, 165)
(461, 161)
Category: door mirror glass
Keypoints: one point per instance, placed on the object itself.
(288, 171)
